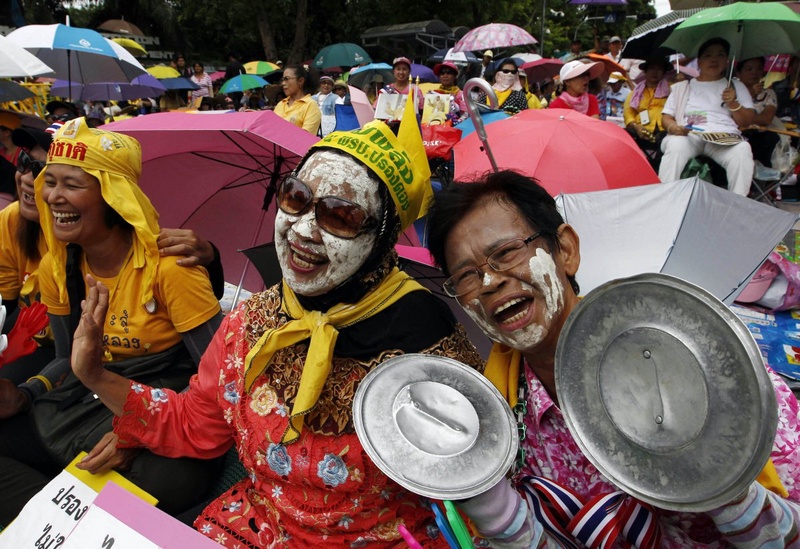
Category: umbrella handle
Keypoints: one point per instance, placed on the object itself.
(475, 116)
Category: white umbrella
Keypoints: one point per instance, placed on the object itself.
(527, 57)
(690, 229)
(16, 62)
(78, 55)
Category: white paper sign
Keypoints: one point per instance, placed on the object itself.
(50, 516)
(101, 530)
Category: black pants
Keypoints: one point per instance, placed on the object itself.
(762, 143)
(26, 468)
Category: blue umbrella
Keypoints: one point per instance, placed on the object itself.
(141, 86)
(488, 116)
(180, 83)
(243, 82)
(78, 55)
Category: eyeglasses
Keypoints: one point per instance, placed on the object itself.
(447, 72)
(509, 71)
(287, 78)
(25, 162)
(504, 258)
(334, 215)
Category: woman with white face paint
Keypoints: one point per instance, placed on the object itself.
(511, 262)
(279, 378)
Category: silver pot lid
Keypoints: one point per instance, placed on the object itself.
(435, 426)
(666, 393)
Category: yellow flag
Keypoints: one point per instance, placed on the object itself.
(410, 138)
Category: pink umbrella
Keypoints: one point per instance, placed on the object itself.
(216, 174)
(494, 35)
(364, 111)
(542, 68)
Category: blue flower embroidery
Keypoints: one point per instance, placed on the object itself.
(332, 470)
(158, 395)
(231, 394)
(278, 459)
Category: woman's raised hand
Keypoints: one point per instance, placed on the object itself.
(87, 344)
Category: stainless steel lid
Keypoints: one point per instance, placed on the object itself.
(665, 391)
(435, 426)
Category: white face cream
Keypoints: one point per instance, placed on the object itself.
(313, 261)
(540, 282)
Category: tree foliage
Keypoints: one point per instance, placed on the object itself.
(294, 30)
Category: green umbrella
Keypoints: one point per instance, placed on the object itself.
(752, 30)
(343, 54)
(242, 82)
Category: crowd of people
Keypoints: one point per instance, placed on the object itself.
(135, 328)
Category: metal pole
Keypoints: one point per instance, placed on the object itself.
(475, 116)
(541, 35)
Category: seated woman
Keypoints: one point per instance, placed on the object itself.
(162, 319)
(448, 73)
(507, 87)
(703, 117)
(765, 103)
(511, 262)
(278, 380)
(573, 90)
(643, 106)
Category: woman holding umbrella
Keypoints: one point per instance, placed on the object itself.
(512, 262)
(280, 376)
(703, 116)
(574, 94)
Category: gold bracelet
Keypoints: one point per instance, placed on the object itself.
(47, 384)
(734, 110)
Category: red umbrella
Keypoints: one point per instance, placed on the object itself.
(567, 152)
(538, 70)
(609, 65)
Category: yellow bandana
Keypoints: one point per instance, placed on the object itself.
(115, 160)
(502, 369)
(322, 328)
(399, 161)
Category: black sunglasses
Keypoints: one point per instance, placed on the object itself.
(25, 162)
(447, 72)
(334, 215)
(63, 117)
(509, 71)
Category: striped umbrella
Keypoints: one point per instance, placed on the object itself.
(645, 40)
(243, 82)
(260, 68)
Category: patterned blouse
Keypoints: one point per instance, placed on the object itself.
(322, 490)
(553, 454)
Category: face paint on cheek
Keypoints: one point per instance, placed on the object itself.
(545, 277)
(521, 339)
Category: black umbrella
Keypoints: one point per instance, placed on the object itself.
(458, 57)
(646, 40)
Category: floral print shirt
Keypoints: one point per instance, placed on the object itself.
(322, 490)
(553, 453)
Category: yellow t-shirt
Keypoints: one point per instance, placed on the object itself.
(653, 105)
(15, 267)
(184, 300)
(303, 113)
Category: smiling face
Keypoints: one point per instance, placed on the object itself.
(312, 260)
(526, 306)
(76, 204)
(447, 77)
(401, 73)
(25, 190)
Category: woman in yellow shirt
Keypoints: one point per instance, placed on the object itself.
(642, 110)
(299, 107)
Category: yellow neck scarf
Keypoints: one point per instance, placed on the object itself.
(322, 328)
(502, 369)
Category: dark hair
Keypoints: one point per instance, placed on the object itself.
(112, 219)
(743, 61)
(28, 238)
(512, 188)
(309, 83)
(196, 63)
(714, 42)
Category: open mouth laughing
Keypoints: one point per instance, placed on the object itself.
(304, 259)
(64, 218)
(512, 311)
